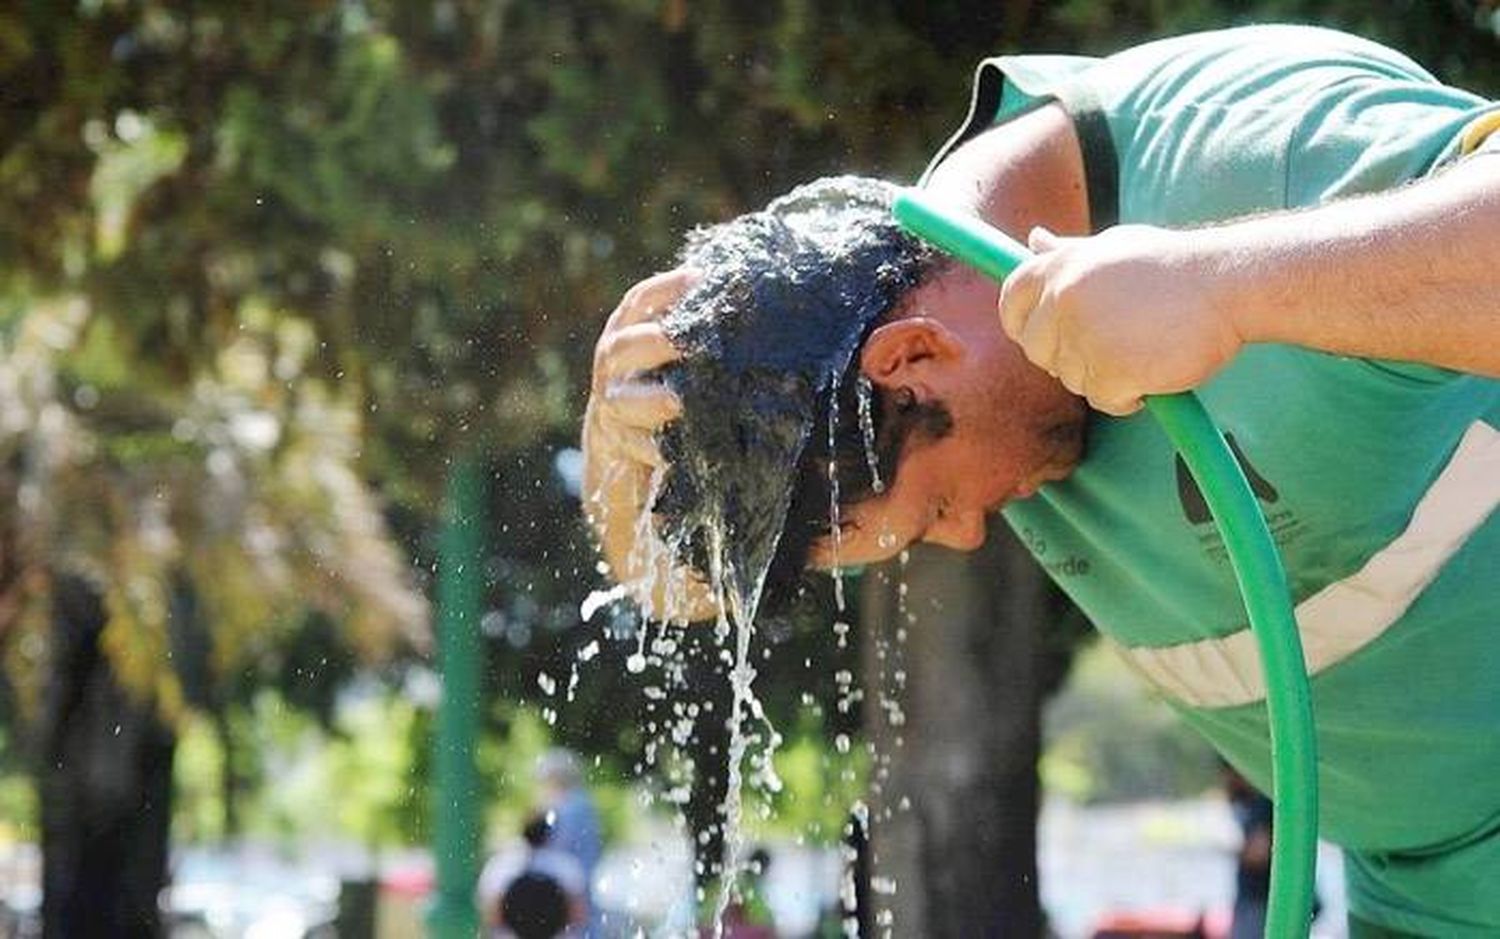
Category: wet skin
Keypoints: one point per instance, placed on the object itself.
(1015, 428)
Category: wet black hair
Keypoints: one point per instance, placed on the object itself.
(770, 337)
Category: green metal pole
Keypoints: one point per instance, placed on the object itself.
(456, 809)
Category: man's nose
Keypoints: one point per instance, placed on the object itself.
(963, 531)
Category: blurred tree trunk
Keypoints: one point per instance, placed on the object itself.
(105, 785)
(956, 795)
(229, 779)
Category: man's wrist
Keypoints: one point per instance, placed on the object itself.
(1238, 286)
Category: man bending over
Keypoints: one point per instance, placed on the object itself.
(1302, 226)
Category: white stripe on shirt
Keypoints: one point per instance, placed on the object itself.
(1351, 613)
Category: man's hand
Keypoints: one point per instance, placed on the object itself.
(1122, 314)
(625, 412)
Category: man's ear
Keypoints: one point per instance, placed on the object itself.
(901, 352)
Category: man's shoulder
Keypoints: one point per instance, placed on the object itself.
(1284, 40)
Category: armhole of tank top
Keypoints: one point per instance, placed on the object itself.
(1101, 164)
(984, 104)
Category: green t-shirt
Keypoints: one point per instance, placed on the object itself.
(1378, 479)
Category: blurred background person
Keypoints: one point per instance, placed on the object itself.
(536, 891)
(1252, 869)
(575, 820)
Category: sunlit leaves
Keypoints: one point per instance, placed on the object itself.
(242, 488)
(129, 162)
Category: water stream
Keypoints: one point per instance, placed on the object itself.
(769, 335)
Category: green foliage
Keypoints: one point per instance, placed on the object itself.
(239, 489)
(435, 187)
(356, 780)
(1109, 740)
(820, 784)
(199, 813)
(371, 770)
(18, 801)
(507, 761)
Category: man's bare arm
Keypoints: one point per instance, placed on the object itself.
(1410, 274)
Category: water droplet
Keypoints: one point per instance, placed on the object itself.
(746, 762)
(598, 599)
(867, 432)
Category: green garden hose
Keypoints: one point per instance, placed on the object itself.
(1252, 554)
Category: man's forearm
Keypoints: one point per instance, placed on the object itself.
(1411, 274)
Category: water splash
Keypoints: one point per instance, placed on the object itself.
(866, 394)
(769, 334)
(599, 599)
(835, 526)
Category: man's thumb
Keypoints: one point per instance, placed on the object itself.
(1041, 240)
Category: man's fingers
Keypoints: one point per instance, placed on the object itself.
(639, 446)
(1038, 339)
(1042, 240)
(638, 348)
(652, 297)
(1072, 371)
(1018, 297)
(640, 404)
(1118, 405)
(1103, 392)
(617, 446)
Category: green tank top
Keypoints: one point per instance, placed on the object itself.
(1378, 479)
